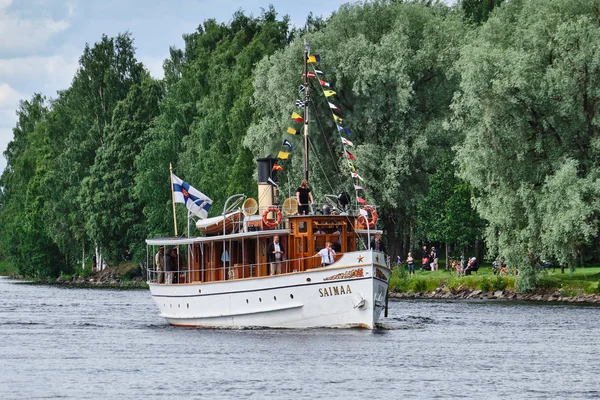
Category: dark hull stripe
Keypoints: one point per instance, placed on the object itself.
(268, 289)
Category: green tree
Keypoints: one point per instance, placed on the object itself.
(392, 64)
(78, 130)
(205, 114)
(478, 11)
(446, 215)
(114, 216)
(22, 212)
(528, 106)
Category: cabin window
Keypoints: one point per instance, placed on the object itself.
(302, 227)
(317, 229)
(299, 245)
(319, 242)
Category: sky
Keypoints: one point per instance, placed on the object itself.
(42, 40)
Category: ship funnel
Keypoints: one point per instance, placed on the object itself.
(267, 183)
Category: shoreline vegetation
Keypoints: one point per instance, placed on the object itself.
(579, 286)
(125, 276)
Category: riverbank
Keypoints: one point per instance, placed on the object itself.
(122, 277)
(468, 294)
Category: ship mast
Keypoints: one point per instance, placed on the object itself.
(306, 100)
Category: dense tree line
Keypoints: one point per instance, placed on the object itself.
(472, 122)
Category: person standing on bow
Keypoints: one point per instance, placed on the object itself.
(377, 244)
(275, 254)
(304, 197)
(327, 255)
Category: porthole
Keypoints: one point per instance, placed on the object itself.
(307, 279)
(275, 298)
(247, 302)
(291, 296)
(188, 305)
(178, 305)
(199, 290)
(171, 305)
(259, 299)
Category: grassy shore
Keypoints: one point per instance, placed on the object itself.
(581, 281)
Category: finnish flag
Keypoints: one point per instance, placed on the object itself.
(197, 202)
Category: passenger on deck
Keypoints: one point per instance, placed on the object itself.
(177, 264)
(377, 244)
(327, 255)
(170, 268)
(275, 254)
(303, 195)
(159, 260)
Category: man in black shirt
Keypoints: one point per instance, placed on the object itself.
(303, 195)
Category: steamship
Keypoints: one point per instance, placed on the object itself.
(223, 277)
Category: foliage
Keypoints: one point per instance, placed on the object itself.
(108, 186)
(445, 214)
(7, 268)
(484, 284)
(478, 11)
(419, 285)
(527, 105)
(390, 62)
(451, 109)
(400, 280)
(499, 284)
(205, 114)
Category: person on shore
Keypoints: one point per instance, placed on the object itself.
(425, 260)
(159, 260)
(473, 265)
(275, 254)
(304, 197)
(434, 255)
(411, 264)
(327, 255)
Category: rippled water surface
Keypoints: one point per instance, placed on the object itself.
(98, 344)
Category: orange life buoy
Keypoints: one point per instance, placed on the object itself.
(365, 220)
(268, 222)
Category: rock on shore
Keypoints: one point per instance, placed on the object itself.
(464, 293)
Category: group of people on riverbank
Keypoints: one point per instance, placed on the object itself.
(430, 262)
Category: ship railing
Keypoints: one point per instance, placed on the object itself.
(271, 215)
(231, 271)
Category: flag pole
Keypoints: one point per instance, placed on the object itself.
(306, 101)
(173, 198)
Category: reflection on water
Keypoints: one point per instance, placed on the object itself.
(97, 344)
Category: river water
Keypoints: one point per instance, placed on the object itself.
(100, 344)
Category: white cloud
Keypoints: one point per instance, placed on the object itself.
(153, 64)
(5, 137)
(71, 8)
(56, 72)
(21, 34)
(9, 97)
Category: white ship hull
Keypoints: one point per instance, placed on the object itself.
(349, 293)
